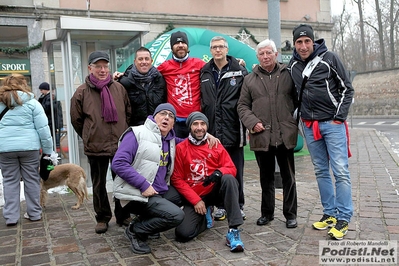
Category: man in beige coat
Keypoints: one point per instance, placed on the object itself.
(266, 106)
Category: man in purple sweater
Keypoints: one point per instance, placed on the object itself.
(143, 163)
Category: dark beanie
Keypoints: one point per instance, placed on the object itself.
(178, 36)
(165, 106)
(196, 116)
(44, 86)
(303, 30)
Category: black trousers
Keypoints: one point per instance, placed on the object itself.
(159, 214)
(237, 156)
(266, 162)
(194, 223)
(98, 171)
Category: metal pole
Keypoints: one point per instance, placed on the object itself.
(274, 27)
(274, 21)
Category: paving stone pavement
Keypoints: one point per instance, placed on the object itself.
(66, 237)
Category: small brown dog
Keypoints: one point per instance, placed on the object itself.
(68, 174)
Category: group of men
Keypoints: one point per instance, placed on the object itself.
(157, 128)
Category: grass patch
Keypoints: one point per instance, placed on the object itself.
(250, 155)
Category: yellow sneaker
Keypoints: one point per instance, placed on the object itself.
(339, 230)
(325, 222)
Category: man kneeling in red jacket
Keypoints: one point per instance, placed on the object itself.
(204, 177)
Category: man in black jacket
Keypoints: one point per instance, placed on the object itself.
(145, 87)
(58, 122)
(325, 102)
(221, 81)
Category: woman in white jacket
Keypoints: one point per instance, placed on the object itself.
(24, 131)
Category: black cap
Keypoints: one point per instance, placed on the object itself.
(98, 55)
(303, 30)
(44, 86)
(178, 36)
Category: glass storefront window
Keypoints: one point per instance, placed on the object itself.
(125, 55)
(13, 40)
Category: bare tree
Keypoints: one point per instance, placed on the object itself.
(362, 41)
(362, 35)
(380, 32)
(393, 18)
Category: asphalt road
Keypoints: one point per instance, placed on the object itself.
(387, 127)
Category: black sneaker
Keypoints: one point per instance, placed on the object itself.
(138, 246)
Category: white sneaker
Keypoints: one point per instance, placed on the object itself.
(220, 214)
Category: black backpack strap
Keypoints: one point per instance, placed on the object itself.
(4, 112)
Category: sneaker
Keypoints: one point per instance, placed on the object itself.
(209, 218)
(138, 246)
(233, 240)
(101, 227)
(220, 214)
(325, 222)
(339, 230)
(244, 217)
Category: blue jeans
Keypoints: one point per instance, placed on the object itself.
(332, 150)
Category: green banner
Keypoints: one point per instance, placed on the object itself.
(11, 66)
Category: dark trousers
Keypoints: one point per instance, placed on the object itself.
(181, 129)
(159, 214)
(194, 223)
(237, 156)
(266, 162)
(98, 171)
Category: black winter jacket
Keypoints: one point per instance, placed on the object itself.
(219, 104)
(57, 110)
(328, 92)
(144, 97)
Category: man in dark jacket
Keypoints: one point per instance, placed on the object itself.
(58, 122)
(221, 80)
(145, 87)
(326, 99)
(100, 111)
(266, 108)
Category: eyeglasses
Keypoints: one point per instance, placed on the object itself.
(220, 47)
(165, 114)
(98, 67)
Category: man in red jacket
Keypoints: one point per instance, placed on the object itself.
(182, 77)
(204, 177)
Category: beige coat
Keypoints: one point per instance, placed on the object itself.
(269, 98)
